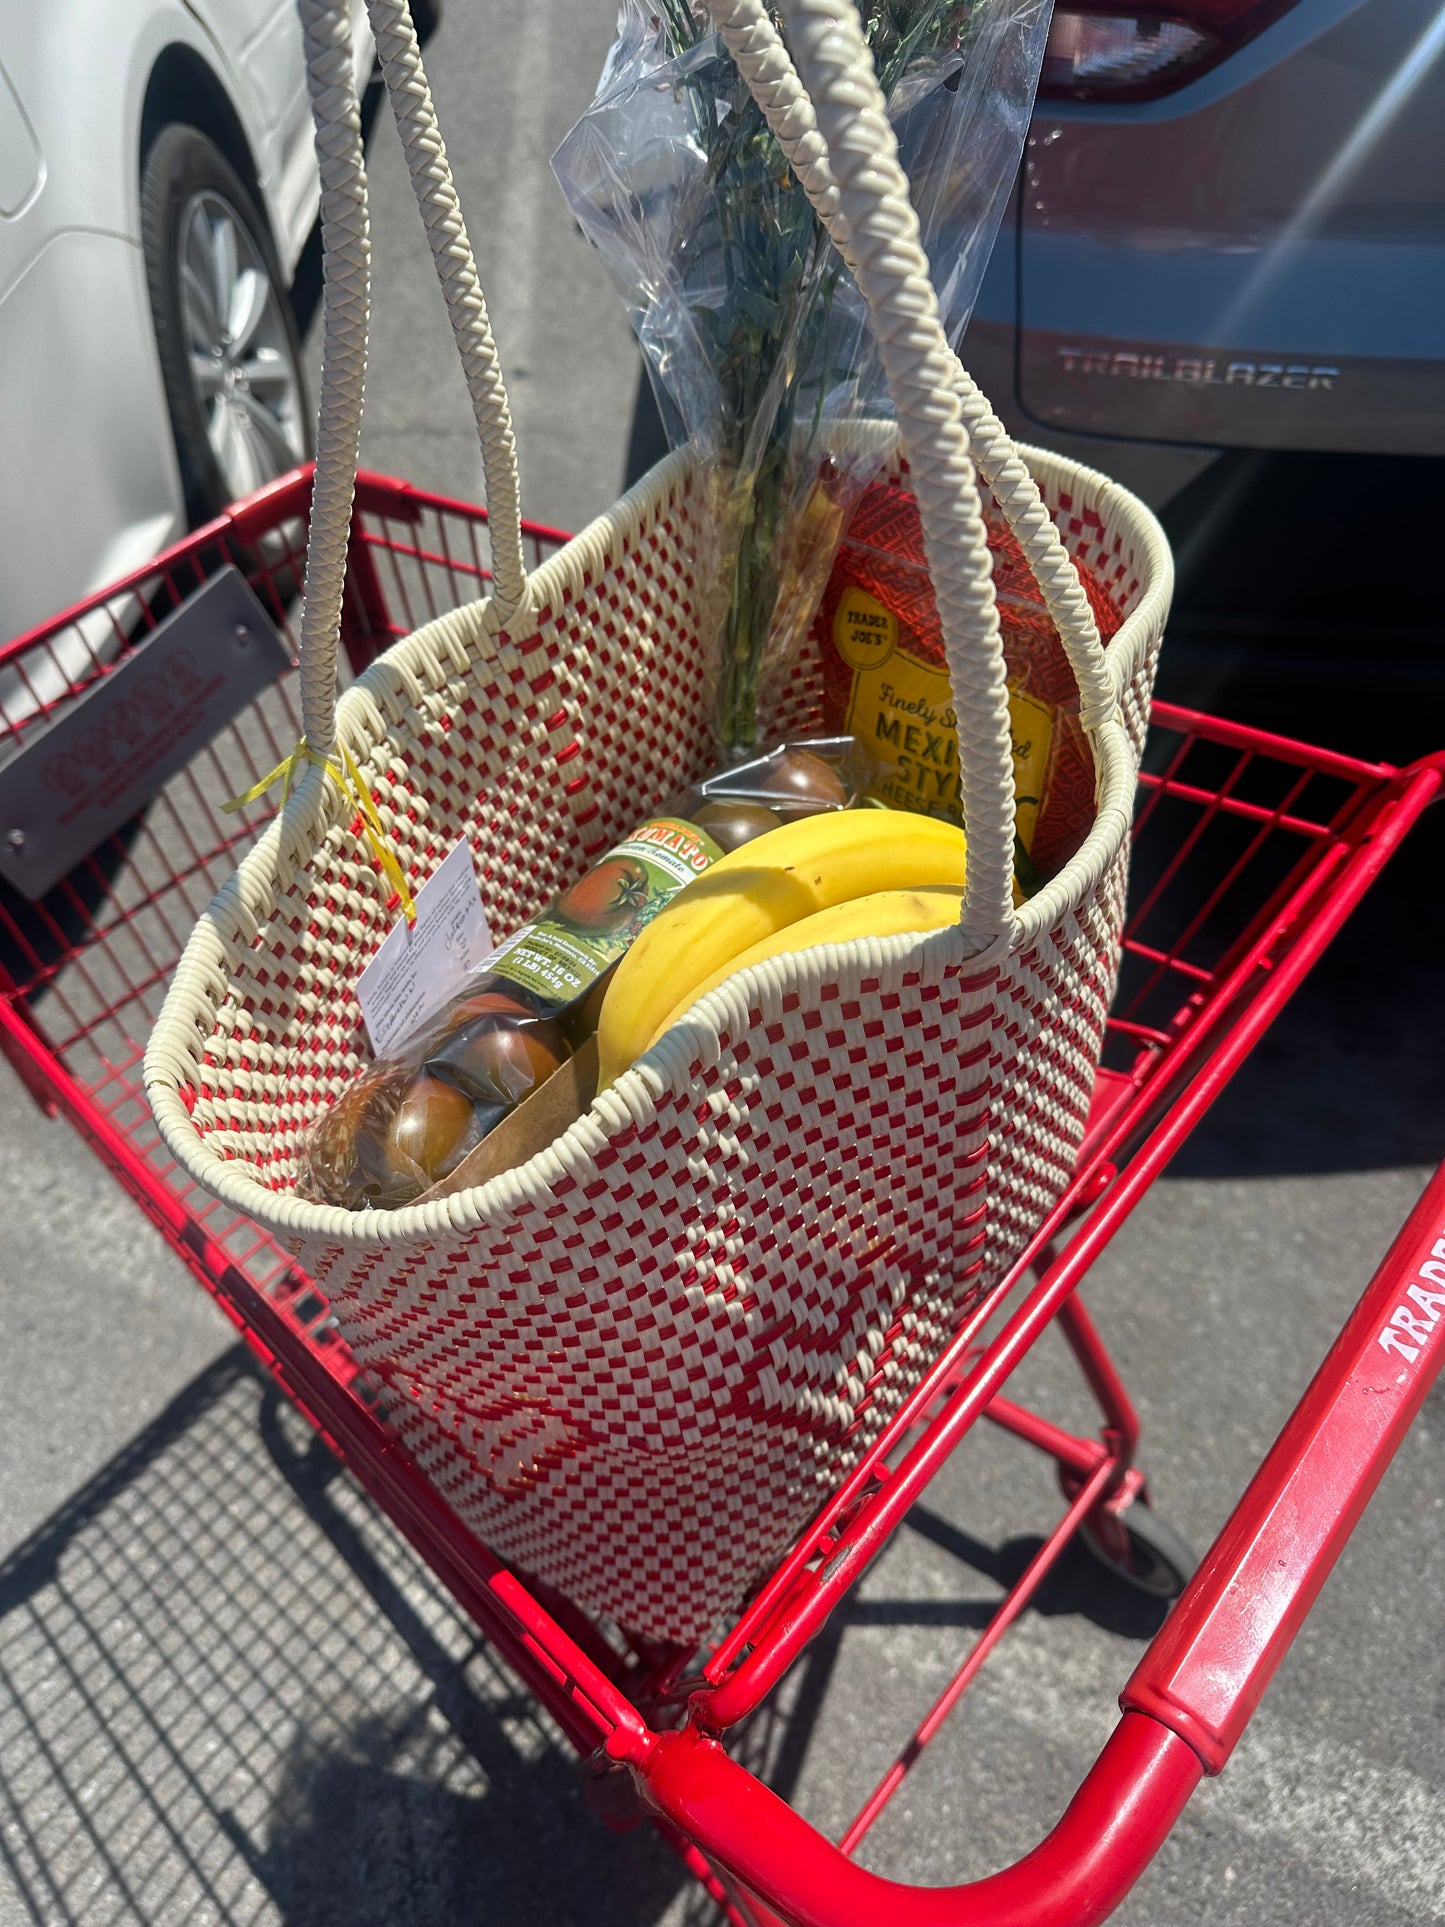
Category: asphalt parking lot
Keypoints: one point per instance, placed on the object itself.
(229, 1694)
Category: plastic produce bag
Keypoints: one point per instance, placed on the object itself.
(751, 328)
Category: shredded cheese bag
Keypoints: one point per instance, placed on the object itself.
(886, 681)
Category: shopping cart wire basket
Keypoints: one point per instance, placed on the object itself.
(679, 1323)
(1250, 851)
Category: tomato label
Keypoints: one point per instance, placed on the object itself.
(560, 957)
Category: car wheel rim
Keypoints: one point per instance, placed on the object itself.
(243, 376)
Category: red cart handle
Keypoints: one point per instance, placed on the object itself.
(1116, 1822)
(1205, 1672)
(1192, 1694)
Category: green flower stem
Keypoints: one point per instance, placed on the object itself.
(771, 331)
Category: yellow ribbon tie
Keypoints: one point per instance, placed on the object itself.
(347, 778)
(286, 768)
(374, 832)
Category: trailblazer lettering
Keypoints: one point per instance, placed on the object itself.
(1409, 1325)
(1197, 371)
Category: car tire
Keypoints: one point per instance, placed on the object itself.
(225, 332)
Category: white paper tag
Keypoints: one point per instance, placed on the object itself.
(420, 965)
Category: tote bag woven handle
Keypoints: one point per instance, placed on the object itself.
(436, 194)
(892, 274)
(877, 222)
(766, 66)
(346, 254)
(346, 266)
(870, 218)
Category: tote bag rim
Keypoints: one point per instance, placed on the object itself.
(229, 926)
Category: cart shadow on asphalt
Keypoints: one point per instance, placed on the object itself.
(229, 1692)
(1078, 1587)
(775, 1743)
(232, 1695)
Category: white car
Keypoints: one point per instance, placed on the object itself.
(157, 188)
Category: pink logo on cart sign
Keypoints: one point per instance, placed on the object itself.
(96, 747)
(66, 773)
(129, 718)
(156, 694)
(1411, 1325)
(186, 675)
(129, 722)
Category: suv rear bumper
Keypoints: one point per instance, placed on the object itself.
(1255, 262)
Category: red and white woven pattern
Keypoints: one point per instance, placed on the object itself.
(636, 1365)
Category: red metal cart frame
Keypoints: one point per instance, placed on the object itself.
(1250, 853)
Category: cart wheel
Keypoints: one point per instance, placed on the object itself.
(1149, 1555)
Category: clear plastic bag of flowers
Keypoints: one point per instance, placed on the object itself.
(750, 326)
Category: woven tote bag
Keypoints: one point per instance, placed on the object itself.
(636, 1364)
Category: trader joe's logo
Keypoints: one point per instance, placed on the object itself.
(135, 730)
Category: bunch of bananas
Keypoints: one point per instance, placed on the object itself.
(819, 879)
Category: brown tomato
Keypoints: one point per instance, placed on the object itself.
(347, 1160)
(802, 777)
(497, 1060)
(731, 822)
(435, 1127)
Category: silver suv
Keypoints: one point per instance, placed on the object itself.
(1229, 233)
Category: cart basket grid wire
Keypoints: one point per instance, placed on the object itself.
(1225, 825)
(1243, 843)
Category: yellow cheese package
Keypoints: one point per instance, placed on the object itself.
(886, 683)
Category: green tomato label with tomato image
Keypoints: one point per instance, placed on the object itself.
(586, 930)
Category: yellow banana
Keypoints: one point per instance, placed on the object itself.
(888, 913)
(755, 891)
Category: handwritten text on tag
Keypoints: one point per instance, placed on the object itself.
(421, 965)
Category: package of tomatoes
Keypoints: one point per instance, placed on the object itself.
(522, 1024)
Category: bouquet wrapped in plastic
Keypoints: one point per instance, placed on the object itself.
(752, 330)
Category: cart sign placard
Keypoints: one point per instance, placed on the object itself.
(108, 753)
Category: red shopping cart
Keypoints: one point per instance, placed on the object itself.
(1250, 853)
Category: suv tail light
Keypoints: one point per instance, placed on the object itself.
(1097, 52)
